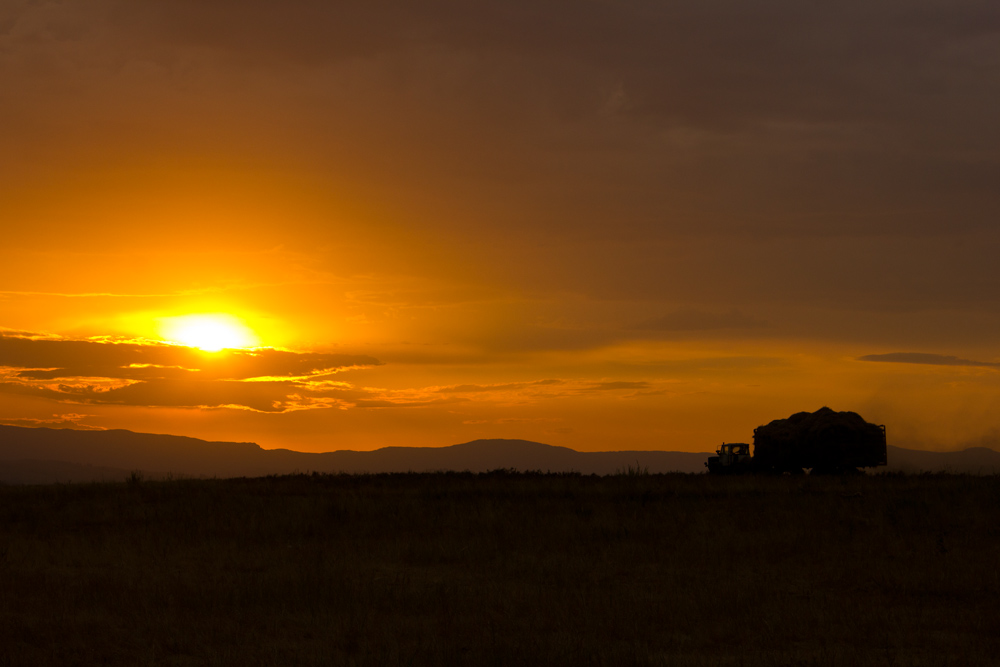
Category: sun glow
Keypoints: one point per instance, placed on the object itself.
(210, 333)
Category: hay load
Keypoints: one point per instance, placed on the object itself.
(826, 441)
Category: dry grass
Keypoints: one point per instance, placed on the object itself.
(503, 569)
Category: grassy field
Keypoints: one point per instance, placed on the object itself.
(503, 569)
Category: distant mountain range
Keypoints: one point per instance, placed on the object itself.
(972, 461)
(43, 455)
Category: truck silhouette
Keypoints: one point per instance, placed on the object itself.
(825, 441)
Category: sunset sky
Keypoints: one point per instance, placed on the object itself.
(598, 224)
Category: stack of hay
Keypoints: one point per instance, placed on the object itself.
(825, 440)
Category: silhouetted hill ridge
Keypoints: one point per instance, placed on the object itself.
(158, 454)
(974, 460)
(119, 448)
(39, 455)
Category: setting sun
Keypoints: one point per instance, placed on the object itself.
(210, 333)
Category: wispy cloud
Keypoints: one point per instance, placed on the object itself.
(69, 420)
(198, 291)
(617, 386)
(928, 359)
(485, 388)
(116, 295)
(522, 392)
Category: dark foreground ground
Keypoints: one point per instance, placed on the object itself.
(503, 569)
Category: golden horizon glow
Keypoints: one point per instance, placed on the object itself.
(209, 332)
(607, 267)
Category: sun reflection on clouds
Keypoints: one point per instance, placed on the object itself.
(161, 374)
(208, 332)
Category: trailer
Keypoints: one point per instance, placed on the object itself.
(823, 442)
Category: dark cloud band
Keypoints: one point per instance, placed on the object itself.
(156, 374)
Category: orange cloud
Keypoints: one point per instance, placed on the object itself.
(154, 374)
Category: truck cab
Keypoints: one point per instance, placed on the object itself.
(732, 457)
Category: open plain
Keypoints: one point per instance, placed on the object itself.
(503, 568)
